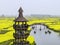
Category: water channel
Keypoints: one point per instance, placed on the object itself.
(44, 36)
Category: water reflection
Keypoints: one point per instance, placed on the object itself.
(45, 36)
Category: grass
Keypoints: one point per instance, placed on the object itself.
(6, 42)
(4, 31)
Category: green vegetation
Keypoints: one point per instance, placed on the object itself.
(6, 42)
(4, 31)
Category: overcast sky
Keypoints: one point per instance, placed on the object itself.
(10, 7)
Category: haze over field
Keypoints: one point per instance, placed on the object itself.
(10, 7)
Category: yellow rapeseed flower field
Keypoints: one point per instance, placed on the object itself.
(7, 23)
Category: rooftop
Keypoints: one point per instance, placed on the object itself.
(20, 18)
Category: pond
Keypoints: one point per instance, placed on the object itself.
(44, 36)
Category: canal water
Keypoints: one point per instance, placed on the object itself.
(44, 36)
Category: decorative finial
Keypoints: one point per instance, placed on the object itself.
(20, 12)
(20, 18)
